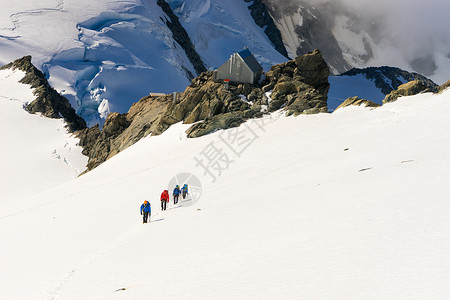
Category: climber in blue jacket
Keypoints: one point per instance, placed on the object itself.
(184, 190)
(146, 210)
(176, 194)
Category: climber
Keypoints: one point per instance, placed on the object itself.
(176, 194)
(184, 190)
(164, 199)
(146, 211)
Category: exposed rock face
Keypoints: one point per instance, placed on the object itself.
(223, 121)
(300, 85)
(182, 37)
(260, 14)
(388, 79)
(444, 86)
(409, 89)
(120, 130)
(48, 101)
(357, 102)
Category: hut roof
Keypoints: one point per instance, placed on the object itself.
(250, 60)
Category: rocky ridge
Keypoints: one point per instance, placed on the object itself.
(182, 38)
(388, 79)
(260, 14)
(48, 101)
(299, 86)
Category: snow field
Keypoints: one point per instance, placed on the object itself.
(38, 153)
(349, 205)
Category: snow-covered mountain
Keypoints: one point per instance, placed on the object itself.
(356, 201)
(104, 56)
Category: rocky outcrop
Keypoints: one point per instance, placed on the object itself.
(388, 79)
(120, 130)
(260, 14)
(48, 101)
(182, 38)
(222, 121)
(356, 101)
(203, 100)
(300, 85)
(408, 89)
(444, 86)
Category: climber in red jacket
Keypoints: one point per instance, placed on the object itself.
(164, 199)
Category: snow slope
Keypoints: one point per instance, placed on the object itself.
(37, 152)
(349, 205)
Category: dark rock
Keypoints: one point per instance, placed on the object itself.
(268, 87)
(300, 84)
(182, 37)
(313, 68)
(388, 79)
(260, 14)
(48, 101)
(115, 124)
(223, 121)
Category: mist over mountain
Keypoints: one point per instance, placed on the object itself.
(407, 34)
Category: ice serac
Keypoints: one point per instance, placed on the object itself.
(259, 13)
(300, 85)
(48, 101)
(182, 37)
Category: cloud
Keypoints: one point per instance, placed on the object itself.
(417, 28)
